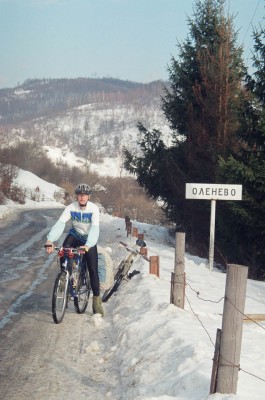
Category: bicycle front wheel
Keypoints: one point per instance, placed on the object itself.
(82, 292)
(117, 281)
(59, 297)
(108, 293)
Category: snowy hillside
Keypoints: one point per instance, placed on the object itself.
(39, 194)
(94, 131)
(99, 134)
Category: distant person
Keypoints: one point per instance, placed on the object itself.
(84, 233)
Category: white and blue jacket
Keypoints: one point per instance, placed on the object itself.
(85, 223)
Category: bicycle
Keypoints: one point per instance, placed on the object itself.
(124, 268)
(71, 283)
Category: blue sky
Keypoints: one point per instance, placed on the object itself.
(126, 39)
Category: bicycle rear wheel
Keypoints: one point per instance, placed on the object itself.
(59, 297)
(82, 291)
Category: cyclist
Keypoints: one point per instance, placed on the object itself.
(84, 233)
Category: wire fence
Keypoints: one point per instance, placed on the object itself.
(229, 363)
(183, 282)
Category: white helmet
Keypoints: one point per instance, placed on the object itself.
(83, 188)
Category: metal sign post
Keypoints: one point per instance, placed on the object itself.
(213, 192)
(212, 234)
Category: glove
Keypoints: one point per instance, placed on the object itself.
(49, 246)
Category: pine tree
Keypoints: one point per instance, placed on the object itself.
(244, 222)
(201, 105)
(203, 99)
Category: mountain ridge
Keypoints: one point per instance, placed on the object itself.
(42, 97)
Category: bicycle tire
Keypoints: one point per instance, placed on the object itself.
(119, 270)
(108, 293)
(122, 271)
(82, 291)
(59, 297)
(117, 276)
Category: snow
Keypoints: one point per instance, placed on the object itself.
(108, 167)
(103, 128)
(165, 352)
(42, 191)
(30, 181)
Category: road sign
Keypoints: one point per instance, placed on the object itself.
(205, 191)
(213, 192)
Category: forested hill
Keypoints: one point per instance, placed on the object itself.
(36, 98)
(95, 118)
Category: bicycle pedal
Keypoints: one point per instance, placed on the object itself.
(131, 274)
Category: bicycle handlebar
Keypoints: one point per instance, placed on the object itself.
(134, 251)
(72, 250)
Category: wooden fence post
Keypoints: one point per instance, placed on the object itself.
(215, 361)
(154, 265)
(143, 251)
(177, 295)
(129, 229)
(232, 326)
(141, 236)
(127, 221)
(134, 232)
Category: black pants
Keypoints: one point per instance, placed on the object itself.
(91, 261)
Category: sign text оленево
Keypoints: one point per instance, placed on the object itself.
(205, 191)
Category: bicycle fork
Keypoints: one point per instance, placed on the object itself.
(66, 284)
(74, 275)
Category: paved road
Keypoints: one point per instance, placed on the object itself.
(39, 359)
(24, 263)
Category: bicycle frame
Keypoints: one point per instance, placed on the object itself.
(75, 255)
(123, 268)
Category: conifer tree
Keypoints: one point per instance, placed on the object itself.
(201, 105)
(243, 227)
(202, 101)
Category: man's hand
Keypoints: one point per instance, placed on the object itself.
(84, 248)
(49, 246)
